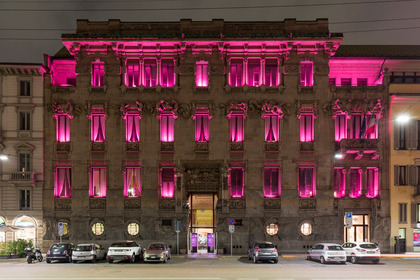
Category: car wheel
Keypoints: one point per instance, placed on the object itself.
(40, 258)
(322, 260)
(48, 261)
(276, 261)
(255, 259)
(94, 259)
(29, 260)
(343, 262)
(375, 261)
(74, 261)
(353, 259)
(69, 259)
(110, 260)
(308, 257)
(133, 258)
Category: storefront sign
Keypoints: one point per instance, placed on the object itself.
(193, 239)
(210, 240)
(416, 238)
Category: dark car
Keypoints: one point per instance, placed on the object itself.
(263, 251)
(60, 252)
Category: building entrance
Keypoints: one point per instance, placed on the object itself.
(202, 227)
(359, 231)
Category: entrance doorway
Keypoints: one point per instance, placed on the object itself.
(202, 227)
(359, 231)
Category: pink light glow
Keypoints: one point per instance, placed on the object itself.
(307, 182)
(167, 181)
(271, 73)
(236, 75)
(63, 182)
(272, 187)
(150, 75)
(340, 127)
(236, 181)
(62, 127)
(97, 182)
(167, 128)
(355, 182)
(201, 127)
(339, 182)
(306, 128)
(271, 128)
(132, 128)
(202, 75)
(306, 74)
(168, 74)
(361, 72)
(63, 72)
(372, 182)
(356, 124)
(236, 128)
(98, 127)
(98, 74)
(254, 72)
(132, 75)
(132, 182)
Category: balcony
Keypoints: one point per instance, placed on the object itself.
(271, 146)
(63, 147)
(307, 147)
(201, 147)
(167, 146)
(236, 146)
(359, 147)
(132, 146)
(98, 147)
(21, 177)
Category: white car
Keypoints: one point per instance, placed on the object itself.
(362, 251)
(327, 252)
(88, 252)
(125, 250)
(157, 252)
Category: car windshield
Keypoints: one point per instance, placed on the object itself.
(124, 244)
(368, 246)
(265, 246)
(83, 248)
(335, 248)
(156, 247)
(59, 246)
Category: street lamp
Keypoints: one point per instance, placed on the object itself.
(338, 156)
(3, 157)
(403, 118)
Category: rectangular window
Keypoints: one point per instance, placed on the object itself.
(24, 121)
(254, 72)
(417, 214)
(346, 82)
(271, 128)
(355, 182)
(167, 182)
(272, 187)
(71, 82)
(98, 128)
(25, 88)
(236, 177)
(402, 213)
(63, 182)
(167, 128)
(400, 136)
(132, 128)
(307, 182)
(202, 74)
(98, 74)
(25, 162)
(271, 73)
(132, 75)
(356, 123)
(97, 186)
(361, 82)
(62, 128)
(236, 73)
(400, 175)
(150, 73)
(236, 128)
(340, 127)
(24, 199)
(201, 128)
(168, 73)
(331, 82)
(306, 74)
(306, 128)
(339, 182)
(132, 182)
(372, 182)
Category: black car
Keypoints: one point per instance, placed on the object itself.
(60, 252)
(263, 251)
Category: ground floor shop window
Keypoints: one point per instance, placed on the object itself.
(27, 229)
(359, 231)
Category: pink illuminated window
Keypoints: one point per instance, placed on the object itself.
(356, 124)
(307, 182)
(97, 183)
(132, 128)
(202, 128)
(362, 82)
(355, 178)
(167, 181)
(372, 182)
(306, 74)
(98, 74)
(168, 74)
(271, 73)
(237, 181)
(346, 82)
(236, 128)
(306, 128)
(202, 75)
(236, 73)
(167, 128)
(331, 82)
(339, 182)
(272, 186)
(98, 128)
(62, 127)
(63, 182)
(254, 72)
(132, 182)
(271, 128)
(150, 73)
(340, 127)
(132, 76)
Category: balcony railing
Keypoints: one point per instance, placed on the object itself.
(22, 176)
(359, 147)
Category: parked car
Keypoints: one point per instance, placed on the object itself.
(125, 250)
(263, 251)
(157, 252)
(88, 252)
(60, 252)
(362, 251)
(327, 252)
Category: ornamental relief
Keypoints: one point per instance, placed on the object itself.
(217, 70)
(132, 203)
(291, 69)
(167, 204)
(272, 203)
(97, 203)
(237, 204)
(62, 204)
(62, 107)
(202, 178)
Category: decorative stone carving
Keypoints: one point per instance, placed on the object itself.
(167, 146)
(62, 203)
(185, 110)
(97, 203)
(237, 203)
(236, 146)
(272, 203)
(217, 70)
(166, 204)
(63, 90)
(133, 203)
(98, 147)
(63, 147)
(97, 89)
(307, 146)
(291, 69)
(202, 179)
(201, 147)
(271, 146)
(63, 107)
(132, 146)
(307, 203)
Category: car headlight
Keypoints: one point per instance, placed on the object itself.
(145, 254)
(161, 254)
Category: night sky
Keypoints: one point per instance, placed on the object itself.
(30, 28)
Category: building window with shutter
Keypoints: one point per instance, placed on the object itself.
(340, 127)
(98, 74)
(236, 74)
(25, 88)
(402, 213)
(272, 186)
(24, 199)
(400, 175)
(307, 182)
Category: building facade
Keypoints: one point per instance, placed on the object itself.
(153, 128)
(21, 149)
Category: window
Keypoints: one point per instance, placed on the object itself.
(63, 182)
(272, 186)
(359, 232)
(417, 214)
(406, 135)
(402, 213)
(132, 75)
(132, 128)
(355, 182)
(306, 128)
(236, 73)
(24, 121)
(167, 128)
(168, 74)
(98, 229)
(306, 229)
(62, 128)
(236, 128)
(132, 182)
(372, 182)
(24, 199)
(236, 177)
(307, 182)
(167, 182)
(339, 182)
(356, 123)
(340, 127)
(201, 127)
(201, 74)
(346, 82)
(400, 175)
(361, 82)
(331, 82)
(150, 73)
(97, 186)
(24, 162)
(271, 73)
(254, 72)
(306, 74)
(98, 74)
(25, 88)
(166, 222)
(98, 127)
(272, 229)
(271, 128)
(133, 229)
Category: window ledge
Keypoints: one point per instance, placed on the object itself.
(143, 89)
(61, 89)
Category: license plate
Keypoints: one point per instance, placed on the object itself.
(371, 252)
(118, 250)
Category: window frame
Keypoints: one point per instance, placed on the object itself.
(303, 189)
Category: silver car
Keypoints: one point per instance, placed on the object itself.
(157, 252)
(327, 252)
(263, 251)
(88, 252)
